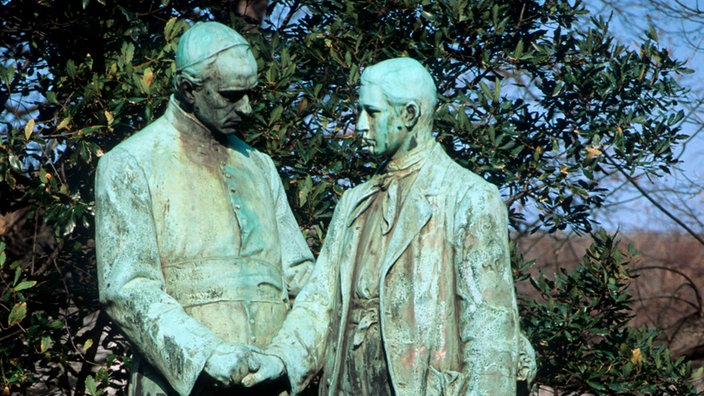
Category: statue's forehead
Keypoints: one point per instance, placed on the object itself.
(371, 94)
(236, 69)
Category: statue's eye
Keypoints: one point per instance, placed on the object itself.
(234, 96)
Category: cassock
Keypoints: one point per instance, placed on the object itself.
(196, 246)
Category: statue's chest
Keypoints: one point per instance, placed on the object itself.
(203, 210)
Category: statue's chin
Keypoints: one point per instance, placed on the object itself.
(228, 130)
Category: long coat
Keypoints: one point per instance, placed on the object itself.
(196, 246)
(448, 315)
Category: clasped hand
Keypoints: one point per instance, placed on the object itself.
(231, 365)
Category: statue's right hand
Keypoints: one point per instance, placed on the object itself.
(229, 363)
(271, 368)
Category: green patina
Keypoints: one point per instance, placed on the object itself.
(412, 293)
(198, 251)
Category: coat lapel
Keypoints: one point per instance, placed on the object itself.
(346, 254)
(362, 200)
(348, 249)
(416, 210)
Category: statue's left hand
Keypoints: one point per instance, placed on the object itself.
(229, 363)
(271, 367)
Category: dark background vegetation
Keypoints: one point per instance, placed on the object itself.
(535, 96)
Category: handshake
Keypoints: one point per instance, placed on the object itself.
(232, 365)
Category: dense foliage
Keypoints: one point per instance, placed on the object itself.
(584, 313)
(534, 96)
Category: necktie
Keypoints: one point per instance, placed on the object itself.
(392, 182)
(389, 186)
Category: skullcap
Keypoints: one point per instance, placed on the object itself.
(204, 40)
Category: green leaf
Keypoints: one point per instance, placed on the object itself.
(518, 52)
(485, 88)
(51, 97)
(25, 284)
(57, 324)
(45, 344)
(7, 74)
(128, 53)
(304, 189)
(275, 114)
(18, 273)
(91, 386)
(71, 68)
(63, 124)
(28, 129)
(15, 163)
(18, 313)
(169, 29)
(87, 345)
(596, 385)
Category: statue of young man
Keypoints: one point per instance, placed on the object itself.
(412, 293)
(198, 251)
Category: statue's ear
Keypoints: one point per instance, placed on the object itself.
(410, 114)
(186, 89)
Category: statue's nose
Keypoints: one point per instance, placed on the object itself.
(243, 106)
(362, 123)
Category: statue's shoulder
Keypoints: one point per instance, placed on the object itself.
(145, 141)
(460, 179)
(450, 169)
(261, 158)
(137, 149)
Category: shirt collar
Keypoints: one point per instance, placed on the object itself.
(197, 140)
(412, 160)
(185, 122)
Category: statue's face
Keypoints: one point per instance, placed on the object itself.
(382, 129)
(223, 99)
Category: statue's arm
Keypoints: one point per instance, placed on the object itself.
(303, 340)
(130, 280)
(296, 259)
(488, 313)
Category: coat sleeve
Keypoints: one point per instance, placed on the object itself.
(487, 303)
(130, 279)
(296, 258)
(303, 340)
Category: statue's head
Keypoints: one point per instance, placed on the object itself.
(215, 71)
(397, 100)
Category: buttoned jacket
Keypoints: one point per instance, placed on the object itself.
(196, 245)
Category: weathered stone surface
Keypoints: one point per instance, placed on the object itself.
(416, 261)
(198, 251)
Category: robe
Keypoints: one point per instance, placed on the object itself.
(196, 245)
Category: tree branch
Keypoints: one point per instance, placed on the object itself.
(647, 196)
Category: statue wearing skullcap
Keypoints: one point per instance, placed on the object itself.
(198, 251)
(205, 40)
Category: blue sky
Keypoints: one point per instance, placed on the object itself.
(682, 192)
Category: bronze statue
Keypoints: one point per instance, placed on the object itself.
(198, 251)
(412, 293)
